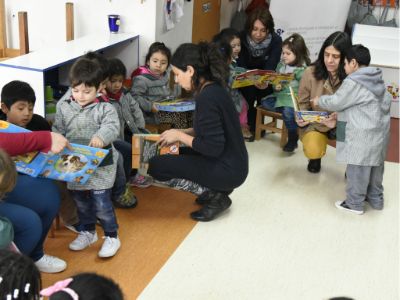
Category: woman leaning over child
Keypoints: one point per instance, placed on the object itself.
(295, 59)
(323, 77)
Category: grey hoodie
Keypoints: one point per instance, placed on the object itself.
(363, 107)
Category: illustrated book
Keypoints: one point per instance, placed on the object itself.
(175, 105)
(252, 77)
(75, 165)
(312, 116)
(145, 146)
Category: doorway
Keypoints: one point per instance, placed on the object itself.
(206, 19)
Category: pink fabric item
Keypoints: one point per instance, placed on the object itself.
(60, 286)
(243, 115)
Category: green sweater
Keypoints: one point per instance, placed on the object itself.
(283, 97)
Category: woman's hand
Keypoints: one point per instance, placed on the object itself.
(262, 85)
(58, 143)
(330, 122)
(154, 108)
(96, 142)
(301, 123)
(169, 137)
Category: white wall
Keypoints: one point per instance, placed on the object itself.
(228, 9)
(182, 33)
(47, 25)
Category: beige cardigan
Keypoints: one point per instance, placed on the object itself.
(310, 88)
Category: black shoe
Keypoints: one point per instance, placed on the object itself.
(292, 142)
(216, 205)
(250, 139)
(290, 147)
(314, 165)
(204, 198)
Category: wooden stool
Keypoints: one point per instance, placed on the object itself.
(271, 126)
(55, 226)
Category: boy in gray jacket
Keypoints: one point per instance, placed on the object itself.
(87, 119)
(362, 130)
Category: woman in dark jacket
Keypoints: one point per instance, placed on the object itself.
(261, 49)
(215, 156)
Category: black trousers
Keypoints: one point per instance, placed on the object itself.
(253, 96)
(192, 166)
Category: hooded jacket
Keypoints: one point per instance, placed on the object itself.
(363, 123)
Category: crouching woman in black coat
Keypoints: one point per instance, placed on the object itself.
(215, 157)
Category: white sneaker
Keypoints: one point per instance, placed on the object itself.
(84, 240)
(109, 247)
(50, 264)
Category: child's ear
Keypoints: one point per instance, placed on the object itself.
(4, 108)
(354, 63)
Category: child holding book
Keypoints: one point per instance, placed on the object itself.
(122, 194)
(130, 118)
(150, 83)
(231, 37)
(362, 130)
(88, 120)
(295, 59)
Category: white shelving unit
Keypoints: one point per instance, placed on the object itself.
(383, 44)
(37, 67)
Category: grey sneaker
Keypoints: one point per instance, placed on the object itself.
(182, 185)
(127, 200)
(109, 247)
(50, 264)
(84, 240)
(342, 205)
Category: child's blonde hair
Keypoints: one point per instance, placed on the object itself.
(8, 174)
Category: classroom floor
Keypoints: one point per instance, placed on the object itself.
(282, 238)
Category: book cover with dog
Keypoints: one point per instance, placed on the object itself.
(145, 146)
(312, 116)
(252, 77)
(75, 165)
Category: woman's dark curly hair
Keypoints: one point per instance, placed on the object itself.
(341, 42)
(206, 60)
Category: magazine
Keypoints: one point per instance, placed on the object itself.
(252, 77)
(175, 105)
(312, 116)
(144, 147)
(75, 165)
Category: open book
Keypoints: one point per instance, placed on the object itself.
(144, 147)
(252, 77)
(175, 105)
(71, 166)
(312, 116)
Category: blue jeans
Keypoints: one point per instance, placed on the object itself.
(286, 111)
(31, 207)
(95, 204)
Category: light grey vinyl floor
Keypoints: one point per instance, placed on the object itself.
(283, 238)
